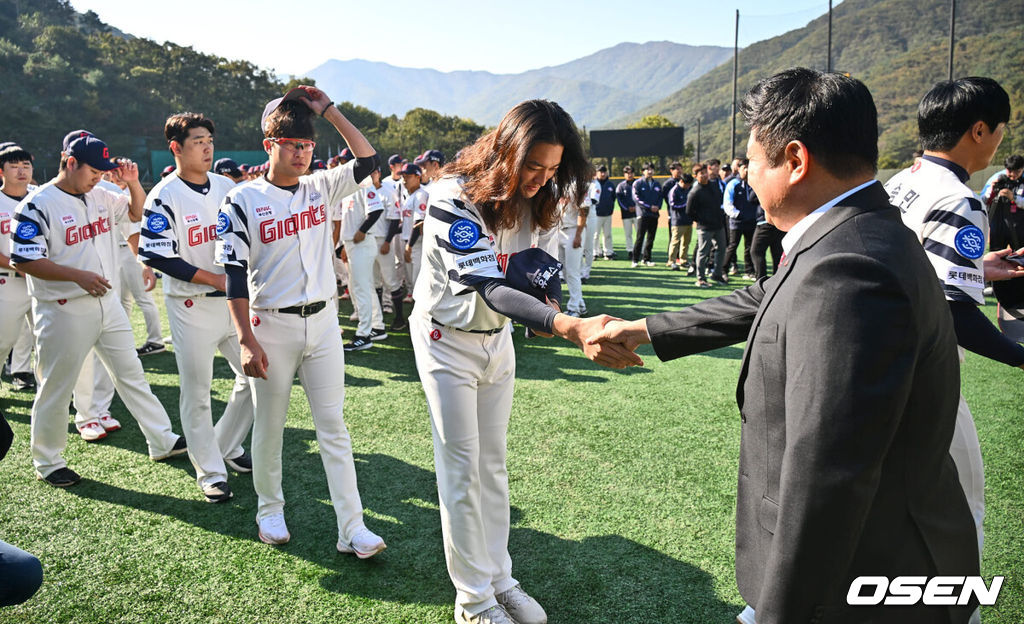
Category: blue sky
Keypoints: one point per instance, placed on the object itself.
(500, 37)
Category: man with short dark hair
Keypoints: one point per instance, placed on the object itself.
(605, 207)
(848, 385)
(15, 302)
(178, 239)
(740, 205)
(274, 234)
(627, 207)
(961, 124)
(647, 195)
(1006, 183)
(704, 208)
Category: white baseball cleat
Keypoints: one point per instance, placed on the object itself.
(521, 606)
(109, 423)
(364, 544)
(746, 616)
(92, 431)
(495, 615)
(273, 530)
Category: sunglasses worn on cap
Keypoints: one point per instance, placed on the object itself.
(294, 145)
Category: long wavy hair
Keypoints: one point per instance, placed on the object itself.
(491, 166)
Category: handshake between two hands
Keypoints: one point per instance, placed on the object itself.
(607, 340)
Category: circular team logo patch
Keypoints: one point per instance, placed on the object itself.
(61, 301)
(222, 223)
(255, 321)
(2, 281)
(463, 234)
(189, 303)
(156, 223)
(435, 334)
(370, 195)
(970, 242)
(27, 230)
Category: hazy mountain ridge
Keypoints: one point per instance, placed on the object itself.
(594, 89)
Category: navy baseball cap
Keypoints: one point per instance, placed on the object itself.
(93, 152)
(293, 94)
(317, 165)
(168, 170)
(535, 272)
(71, 136)
(227, 166)
(345, 154)
(411, 169)
(394, 159)
(433, 156)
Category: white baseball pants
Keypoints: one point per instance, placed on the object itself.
(313, 347)
(602, 235)
(628, 228)
(588, 243)
(468, 379)
(965, 450)
(64, 335)
(361, 258)
(572, 268)
(132, 288)
(15, 313)
(385, 265)
(201, 326)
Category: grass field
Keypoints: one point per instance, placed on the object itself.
(623, 490)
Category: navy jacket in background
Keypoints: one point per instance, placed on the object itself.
(677, 206)
(606, 205)
(624, 195)
(744, 204)
(647, 195)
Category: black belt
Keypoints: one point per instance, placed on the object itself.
(304, 310)
(488, 332)
(16, 274)
(217, 293)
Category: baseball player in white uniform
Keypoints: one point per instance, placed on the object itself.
(361, 212)
(178, 239)
(414, 210)
(572, 230)
(274, 240)
(15, 303)
(463, 342)
(588, 208)
(63, 240)
(961, 124)
(396, 182)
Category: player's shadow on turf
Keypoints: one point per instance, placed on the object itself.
(599, 579)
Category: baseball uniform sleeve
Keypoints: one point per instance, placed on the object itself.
(729, 199)
(232, 248)
(158, 238)
(953, 235)
(340, 182)
(464, 250)
(28, 237)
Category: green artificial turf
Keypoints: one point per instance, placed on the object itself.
(623, 490)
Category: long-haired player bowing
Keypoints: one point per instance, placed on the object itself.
(490, 204)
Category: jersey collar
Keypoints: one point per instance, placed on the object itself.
(957, 170)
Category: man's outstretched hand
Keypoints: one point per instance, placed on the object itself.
(605, 353)
(627, 335)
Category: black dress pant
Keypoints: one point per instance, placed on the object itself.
(746, 233)
(766, 237)
(646, 228)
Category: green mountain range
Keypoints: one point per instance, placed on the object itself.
(898, 48)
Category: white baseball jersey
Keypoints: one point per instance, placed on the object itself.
(570, 214)
(356, 207)
(457, 244)
(389, 204)
(179, 222)
(397, 188)
(15, 287)
(950, 222)
(414, 209)
(284, 236)
(593, 195)
(71, 230)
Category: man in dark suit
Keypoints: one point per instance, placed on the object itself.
(849, 383)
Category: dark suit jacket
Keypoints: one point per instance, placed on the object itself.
(848, 395)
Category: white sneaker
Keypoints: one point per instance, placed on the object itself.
(353, 317)
(634, 264)
(365, 544)
(522, 608)
(273, 530)
(109, 423)
(495, 615)
(92, 431)
(746, 616)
